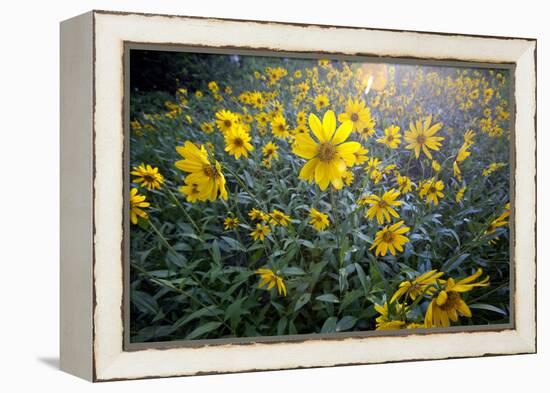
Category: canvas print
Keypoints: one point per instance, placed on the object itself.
(273, 196)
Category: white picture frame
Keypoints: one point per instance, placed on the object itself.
(92, 147)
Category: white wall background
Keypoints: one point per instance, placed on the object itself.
(29, 197)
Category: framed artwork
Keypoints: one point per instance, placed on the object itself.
(244, 195)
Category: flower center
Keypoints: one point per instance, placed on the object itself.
(354, 117)
(227, 123)
(388, 237)
(326, 151)
(389, 138)
(432, 190)
(148, 178)
(453, 301)
(421, 139)
(238, 142)
(210, 171)
(382, 204)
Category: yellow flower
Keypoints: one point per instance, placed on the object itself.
(448, 304)
(147, 176)
(421, 136)
(361, 155)
(279, 128)
(213, 86)
(318, 220)
(372, 164)
(207, 176)
(390, 238)
(431, 190)
(262, 118)
(500, 221)
(230, 223)
(207, 128)
(237, 142)
(301, 117)
(269, 278)
(270, 151)
(436, 166)
(329, 155)
(460, 194)
(198, 94)
(404, 184)
(358, 114)
(260, 232)
(365, 132)
(137, 202)
(225, 120)
(492, 168)
(258, 215)
(421, 285)
(191, 191)
(347, 178)
(279, 218)
(382, 207)
(391, 138)
(385, 322)
(321, 101)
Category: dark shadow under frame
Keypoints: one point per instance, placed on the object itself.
(367, 58)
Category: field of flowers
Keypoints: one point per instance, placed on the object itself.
(289, 196)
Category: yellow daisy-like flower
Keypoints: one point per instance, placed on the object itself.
(207, 127)
(147, 176)
(207, 176)
(448, 304)
(301, 117)
(225, 120)
(421, 136)
(270, 151)
(237, 142)
(421, 285)
(361, 156)
(404, 184)
(277, 217)
(347, 178)
(390, 238)
(328, 155)
(262, 118)
(258, 215)
(321, 101)
(436, 166)
(500, 221)
(431, 190)
(358, 114)
(137, 203)
(382, 207)
(384, 321)
(270, 279)
(230, 223)
(318, 220)
(391, 138)
(365, 132)
(260, 232)
(372, 164)
(191, 191)
(279, 128)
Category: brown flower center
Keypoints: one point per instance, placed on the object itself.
(389, 138)
(453, 301)
(421, 139)
(354, 117)
(432, 190)
(227, 123)
(388, 237)
(326, 151)
(238, 142)
(210, 171)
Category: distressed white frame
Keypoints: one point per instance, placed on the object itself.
(109, 361)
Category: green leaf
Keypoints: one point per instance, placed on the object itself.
(328, 297)
(234, 244)
(330, 325)
(346, 323)
(203, 329)
(453, 263)
(216, 255)
(207, 311)
(144, 302)
(293, 271)
(302, 300)
(281, 326)
(488, 307)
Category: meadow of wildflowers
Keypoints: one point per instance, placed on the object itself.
(282, 196)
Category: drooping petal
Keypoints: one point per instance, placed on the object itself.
(342, 133)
